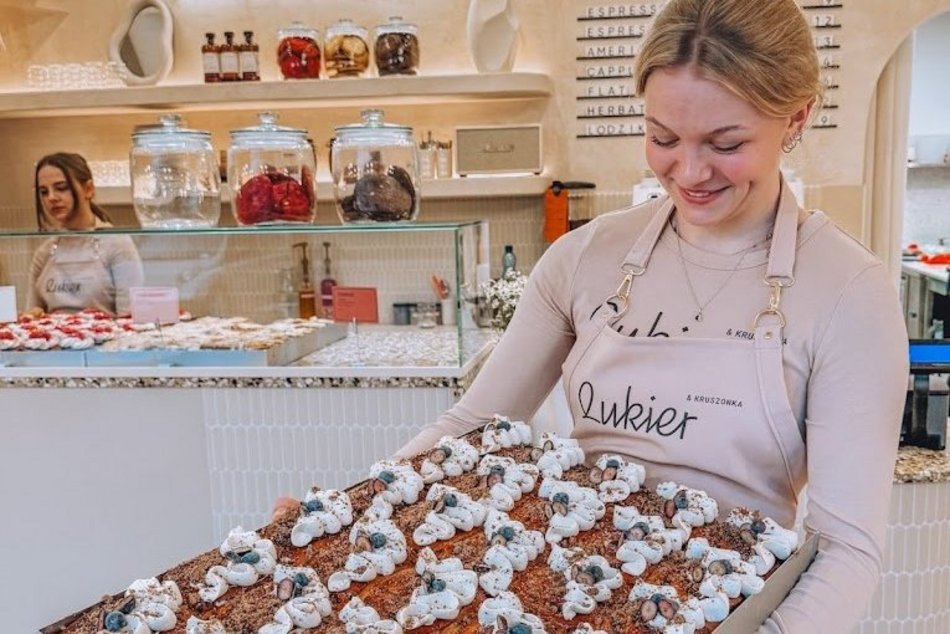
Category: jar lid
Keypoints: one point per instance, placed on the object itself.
(373, 127)
(269, 130)
(298, 29)
(168, 129)
(346, 26)
(396, 25)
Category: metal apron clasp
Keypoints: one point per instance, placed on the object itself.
(775, 301)
(620, 300)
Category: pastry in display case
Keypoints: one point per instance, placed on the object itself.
(484, 533)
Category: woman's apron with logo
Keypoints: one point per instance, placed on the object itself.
(711, 414)
(74, 276)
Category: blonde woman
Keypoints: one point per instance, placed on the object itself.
(722, 336)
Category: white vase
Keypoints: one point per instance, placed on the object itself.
(492, 35)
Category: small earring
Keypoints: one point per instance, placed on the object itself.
(793, 142)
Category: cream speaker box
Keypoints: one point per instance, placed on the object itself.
(498, 150)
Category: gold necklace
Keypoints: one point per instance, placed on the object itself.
(701, 306)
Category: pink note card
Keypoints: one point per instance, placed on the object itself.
(152, 304)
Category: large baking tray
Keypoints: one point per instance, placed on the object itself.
(280, 355)
(750, 614)
(42, 359)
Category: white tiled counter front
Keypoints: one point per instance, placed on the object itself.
(914, 594)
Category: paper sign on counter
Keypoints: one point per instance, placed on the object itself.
(152, 304)
(355, 302)
(7, 304)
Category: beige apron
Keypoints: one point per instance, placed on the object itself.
(712, 414)
(75, 276)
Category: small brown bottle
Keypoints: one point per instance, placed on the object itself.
(306, 296)
(230, 66)
(248, 54)
(210, 60)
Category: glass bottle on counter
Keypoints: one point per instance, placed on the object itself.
(298, 52)
(396, 48)
(508, 261)
(271, 172)
(327, 284)
(248, 56)
(306, 296)
(346, 50)
(427, 157)
(230, 64)
(210, 60)
(375, 171)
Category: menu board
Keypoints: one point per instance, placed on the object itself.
(608, 35)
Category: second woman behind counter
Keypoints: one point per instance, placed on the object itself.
(70, 273)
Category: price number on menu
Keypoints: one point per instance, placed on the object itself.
(826, 41)
(824, 21)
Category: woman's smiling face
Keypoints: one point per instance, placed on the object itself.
(715, 154)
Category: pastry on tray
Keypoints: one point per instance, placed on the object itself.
(483, 534)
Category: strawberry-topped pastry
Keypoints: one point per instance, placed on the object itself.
(72, 338)
(9, 339)
(40, 339)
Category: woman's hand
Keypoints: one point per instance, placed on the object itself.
(285, 508)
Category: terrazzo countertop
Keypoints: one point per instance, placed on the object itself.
(915, 464)
(372, 356)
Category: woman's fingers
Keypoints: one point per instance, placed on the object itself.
(285, 508)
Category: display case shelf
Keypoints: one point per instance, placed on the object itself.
(441, 188)
(282, 94)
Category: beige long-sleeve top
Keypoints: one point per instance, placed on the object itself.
(88, 270)
(845, 366)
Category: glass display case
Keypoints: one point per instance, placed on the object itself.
(417, 275)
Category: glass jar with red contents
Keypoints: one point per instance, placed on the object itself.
(298, 51)
(271, 173)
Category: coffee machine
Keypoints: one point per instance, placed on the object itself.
(927, 406)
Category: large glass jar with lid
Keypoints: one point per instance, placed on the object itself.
(271, 171)
(175, 178)
(298, 51)
(346, 51)
(397, 48)
(375, 171)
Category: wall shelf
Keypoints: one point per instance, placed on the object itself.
(278, 94)
(468, 187)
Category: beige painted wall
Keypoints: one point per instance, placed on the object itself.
(832, 162)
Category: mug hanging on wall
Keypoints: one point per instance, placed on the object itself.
(492, 35)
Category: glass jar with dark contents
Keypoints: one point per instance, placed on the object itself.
(375, 171)
(271, 173)
(346, 50)
(397, 48)
(298, 52)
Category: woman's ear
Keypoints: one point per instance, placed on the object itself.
(88, 189)
(798, 121)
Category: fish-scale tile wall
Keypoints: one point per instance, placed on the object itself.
(915, 585)
(326, 437)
